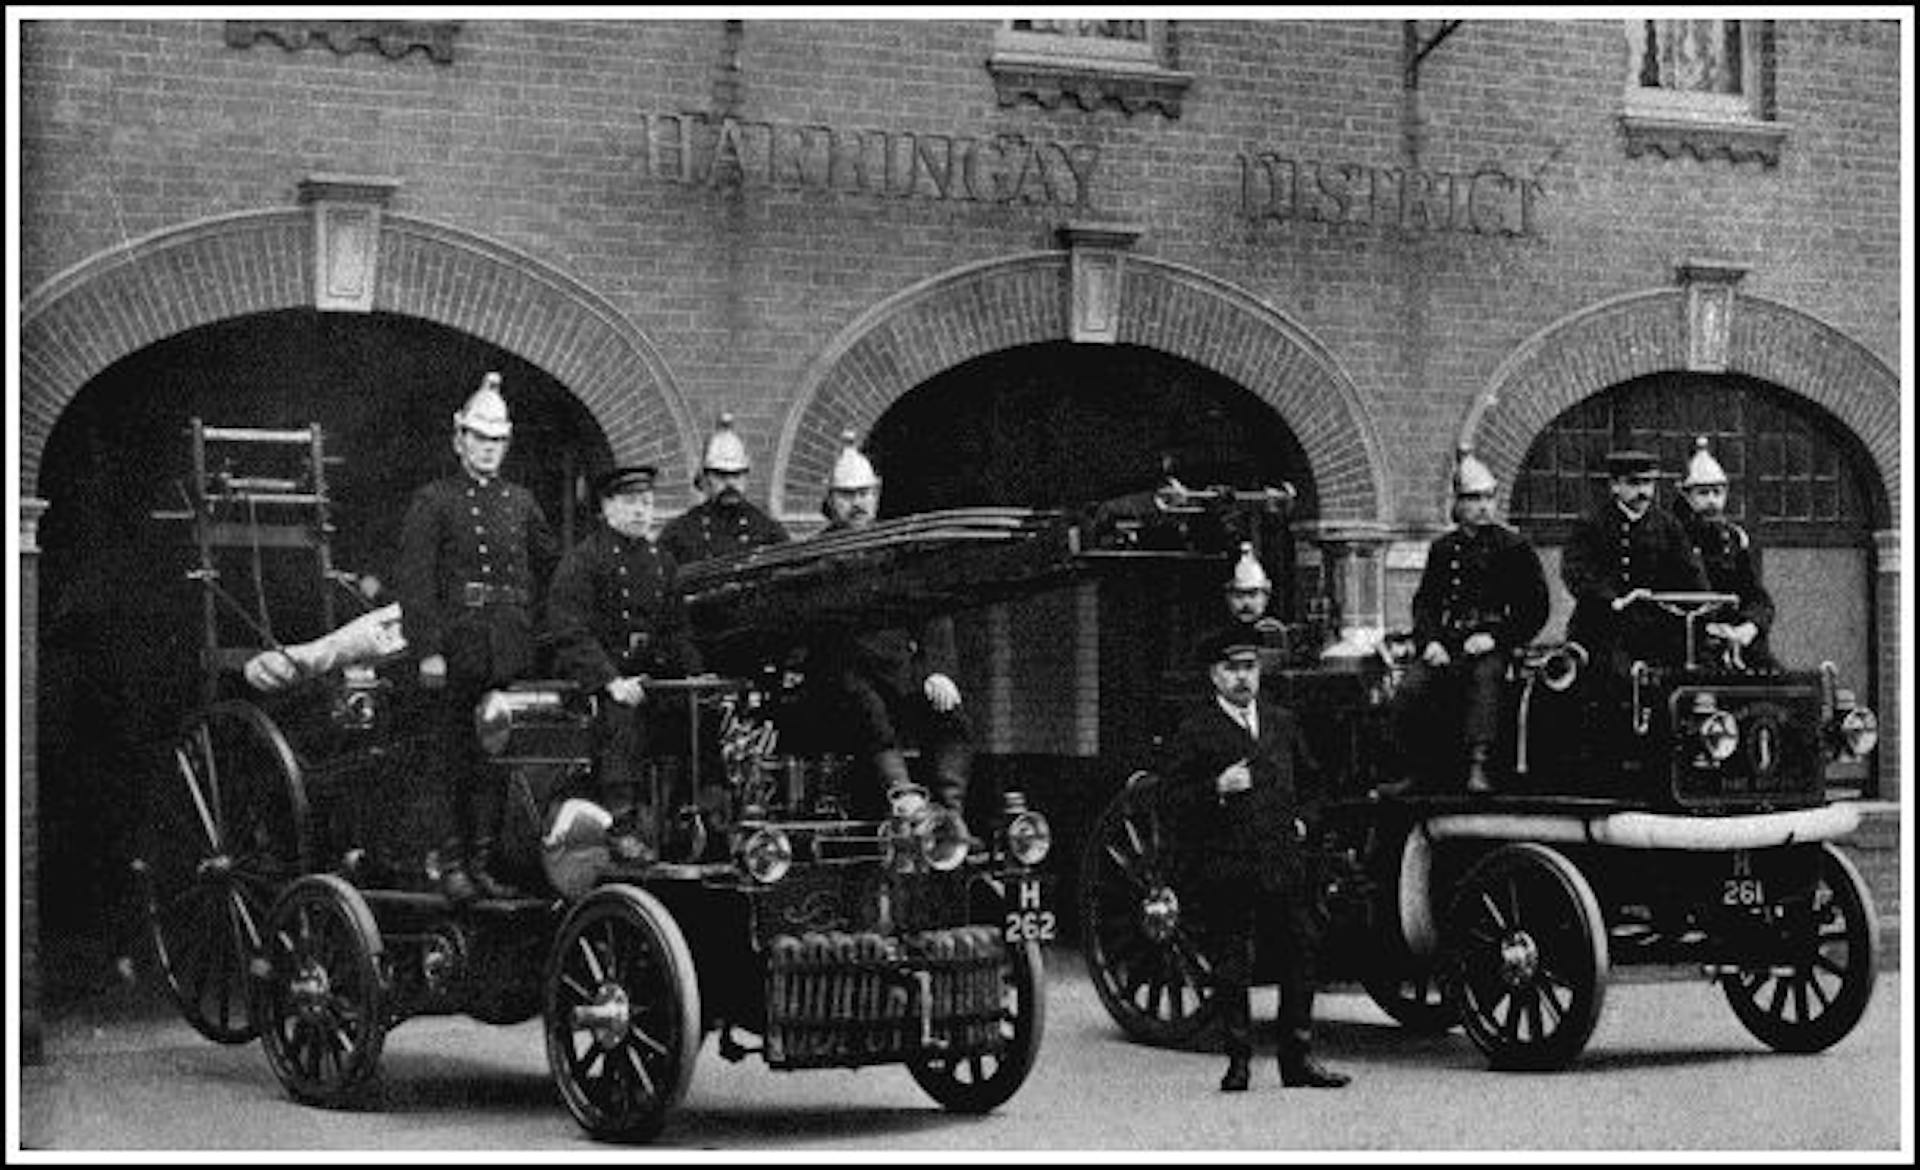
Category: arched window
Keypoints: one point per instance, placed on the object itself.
(1796, 476)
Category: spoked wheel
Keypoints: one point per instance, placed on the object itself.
(1139, 933)
(1529, 957)
(980, 1083)
(1410, 988)
(1810, 1002)
(227, 830)
(622, 1013)
(319, 997)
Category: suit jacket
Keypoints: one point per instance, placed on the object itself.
(1483, 580)
(613, 610)
(1249, 836)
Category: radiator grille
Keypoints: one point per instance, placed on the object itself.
(840, 999)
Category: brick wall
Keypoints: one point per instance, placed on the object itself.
(534, 136)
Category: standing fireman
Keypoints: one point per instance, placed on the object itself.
(474, 550)
(616, 617)
(1248, 592)
(890, 687)
(1481, 594)
(1244, 788)
(1726, 552)
(725, 521)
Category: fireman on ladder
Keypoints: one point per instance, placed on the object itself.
(893, 687)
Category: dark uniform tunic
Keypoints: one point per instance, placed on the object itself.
(1478, 580)
(1245, 852)
(472, 559)
(714, 529)
(1610, 554)
(869, 688)
(613, 611)
(1726, 552)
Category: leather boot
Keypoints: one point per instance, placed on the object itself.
(455, 885)
(1478, 782)
(1239, 1073)
(478, 867)
(1298, 1069)
(891, 767)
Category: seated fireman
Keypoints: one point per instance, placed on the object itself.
(881, 690)
(1727, 554)
(615, 618)
(1481, 594)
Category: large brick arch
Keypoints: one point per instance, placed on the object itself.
(112, 305)
(995, 305)
(1646, 333)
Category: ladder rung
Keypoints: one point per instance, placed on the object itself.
(270, 497)
(256, 483)
(264, 535)
(255, 435)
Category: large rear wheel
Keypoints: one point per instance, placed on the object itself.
(1811, 1002)
(1140, 926)
(227, 829)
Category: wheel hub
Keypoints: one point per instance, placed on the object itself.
(309, 991)
(1519, 958)
(1160, 914)
(218, 866)
(607, 1017)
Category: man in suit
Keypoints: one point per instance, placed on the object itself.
(884, 689)
(1481, 594)
(474, 552)
(725, 521)
(615, 617)
(1618, 555)
(1727, 554)
(1244, 787)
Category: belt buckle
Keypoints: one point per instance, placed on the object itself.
(474, 593)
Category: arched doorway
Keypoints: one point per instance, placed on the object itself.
(1801, 484)
(120, 625)
(1067, 688)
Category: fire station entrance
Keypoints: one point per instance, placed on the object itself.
(1065, 686)
(121, 625)
(1800, 485)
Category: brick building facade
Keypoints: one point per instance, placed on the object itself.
(1384, 238)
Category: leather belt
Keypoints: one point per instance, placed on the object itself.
(474, 594)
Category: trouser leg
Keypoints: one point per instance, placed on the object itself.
(1231, 912)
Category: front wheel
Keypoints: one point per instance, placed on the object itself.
(1811, 1002)
(622, 1014)
(319, 993)
(1528, 957)
(983, 1082)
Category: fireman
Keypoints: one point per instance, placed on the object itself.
(1726, 552)
(474, 552)
(725, 521)
(1481, 595)
(891, 687)
(1248, 592)
(616, 618)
